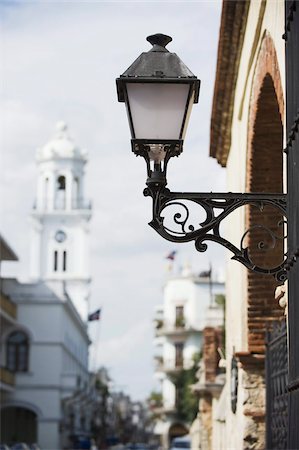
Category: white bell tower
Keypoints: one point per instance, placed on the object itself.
(60, 216)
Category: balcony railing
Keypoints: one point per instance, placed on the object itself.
(8, 306)
(7, 377)
(173, 365)
(167, 330)
(62, 204)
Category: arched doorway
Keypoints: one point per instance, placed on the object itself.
(264, 174)
(177, 430)
(263, 310)
(265, 240)
(18, 425)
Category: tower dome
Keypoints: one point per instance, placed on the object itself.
(61, 146)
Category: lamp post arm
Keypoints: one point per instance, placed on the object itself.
(173, 219)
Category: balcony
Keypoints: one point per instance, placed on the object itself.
(7, 378)
(172, 365)
(8, 306)
(75, 204)
(175, 330)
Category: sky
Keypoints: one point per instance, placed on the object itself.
(59, 61)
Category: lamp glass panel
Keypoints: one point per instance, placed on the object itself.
(157, 109)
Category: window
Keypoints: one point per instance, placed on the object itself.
(179, 312)
(179, 316)
(17, 352)
(64, 261)
(179, 347)
(55, 261)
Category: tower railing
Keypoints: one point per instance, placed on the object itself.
(62, 204)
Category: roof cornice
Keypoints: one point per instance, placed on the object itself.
(232, 31)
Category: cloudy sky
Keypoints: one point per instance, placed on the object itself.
(59, 61)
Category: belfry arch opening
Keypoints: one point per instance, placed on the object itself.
(61, 192)
(61, 183)
(265, 241)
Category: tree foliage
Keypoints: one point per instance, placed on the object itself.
(186, 400)
(155, 399)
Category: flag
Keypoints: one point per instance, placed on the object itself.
(171, 255)
(206, 274)
(95, 315)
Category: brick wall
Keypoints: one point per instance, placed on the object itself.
(264, 174)
(213, 339)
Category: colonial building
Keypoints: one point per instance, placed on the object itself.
(45, 346)
(8, 318)
(179, 336)
(247, 137)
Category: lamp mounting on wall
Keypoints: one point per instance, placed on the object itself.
(159, 91)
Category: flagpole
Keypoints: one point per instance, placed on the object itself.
(95, 347)
(95, 317)
(210, 285)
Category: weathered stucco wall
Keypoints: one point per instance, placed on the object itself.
(245, 428)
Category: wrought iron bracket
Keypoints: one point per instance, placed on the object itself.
(216, 207)
(209, 229)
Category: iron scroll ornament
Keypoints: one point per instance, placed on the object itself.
(209, 229)
(210, 203)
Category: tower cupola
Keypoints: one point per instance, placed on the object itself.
(61, 168)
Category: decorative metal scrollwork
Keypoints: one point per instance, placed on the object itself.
(209, 228)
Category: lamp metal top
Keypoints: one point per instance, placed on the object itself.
(157, 65)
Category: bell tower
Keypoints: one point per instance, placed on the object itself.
(60, 216)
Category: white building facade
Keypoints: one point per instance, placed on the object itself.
(47, 345)
(179, 327)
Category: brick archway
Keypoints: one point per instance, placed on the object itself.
(264, 174)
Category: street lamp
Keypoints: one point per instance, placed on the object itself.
(159, 91)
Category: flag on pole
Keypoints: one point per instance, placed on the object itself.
(205, 274)
(95, 315)
(171, 255)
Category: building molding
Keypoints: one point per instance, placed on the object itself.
(232, 32)
(253, 53)
(22, 404)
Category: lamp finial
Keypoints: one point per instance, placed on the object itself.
(159, 39)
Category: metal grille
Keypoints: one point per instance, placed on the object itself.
(291, 37)
(276, 384)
